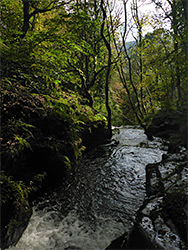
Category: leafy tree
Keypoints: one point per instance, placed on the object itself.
(53, 47)
(153, 72)
(33, 8)
(177, 16)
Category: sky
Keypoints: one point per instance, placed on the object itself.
(145, 7)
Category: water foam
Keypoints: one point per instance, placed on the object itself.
(47, 231)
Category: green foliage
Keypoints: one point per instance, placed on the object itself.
(20, 125)
(61, 50)
(69, 105)
(20, 135)
(67, 162)
(154, 71)
(18, 145)
(12, 191)
(14, 207)
(78, 148)
(11, 14)
(53, 68)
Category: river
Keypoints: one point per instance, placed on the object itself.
(99, 201)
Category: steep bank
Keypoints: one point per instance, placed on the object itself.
(42, 138)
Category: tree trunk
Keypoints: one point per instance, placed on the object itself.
(139, 27)
(175, 29)
(26, 18)
(107, 77)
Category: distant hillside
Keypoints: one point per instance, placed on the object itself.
(130, 44)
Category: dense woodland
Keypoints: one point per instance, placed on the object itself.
(72, 61)
(80, 48)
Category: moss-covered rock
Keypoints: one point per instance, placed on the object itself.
(94, 134)
(34, 136)
(15, 210)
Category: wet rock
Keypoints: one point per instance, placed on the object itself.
(150, 230)
(12, 232)
(119, 243)
(169, 217)
(154, 184)
(174, 210)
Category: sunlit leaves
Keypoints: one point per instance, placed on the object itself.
(11, 14)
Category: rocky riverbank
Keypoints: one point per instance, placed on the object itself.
(161, 222)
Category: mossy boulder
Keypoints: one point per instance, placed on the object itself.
(35, 138)
(15, 209)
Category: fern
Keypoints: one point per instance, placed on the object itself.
(19, 145)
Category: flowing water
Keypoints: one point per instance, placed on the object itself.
(100, 199)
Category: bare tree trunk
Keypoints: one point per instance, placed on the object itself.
(130, 65)
(139, 27)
